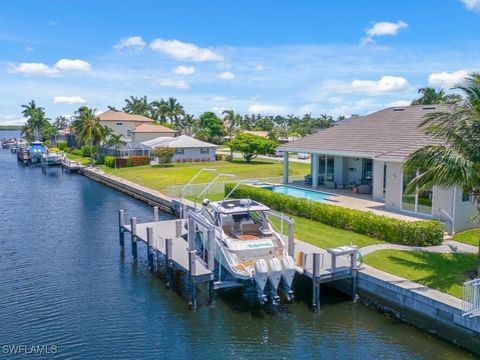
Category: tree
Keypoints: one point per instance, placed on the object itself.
(455, 161)
(137, 106)
(164, 154)
(61, 122)
(208, 120)
(159, 110)
(252, 145)
(231, 122)
(88, 128)
(430, 96)
(37, 127)
(174, 110)
(186, 124)
(115, 140)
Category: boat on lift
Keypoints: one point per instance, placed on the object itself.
(249, 248)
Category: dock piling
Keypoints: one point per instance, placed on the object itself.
(316, 282)
(191, 234)
(121, 224)
(169, 264)
(133, 231)
(178, 228)
(155, 214)
(149, 248)
(192, 278)
(291, 244)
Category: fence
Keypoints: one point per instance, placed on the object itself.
(219, 187)
(471, 298)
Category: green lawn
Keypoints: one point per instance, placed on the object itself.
(82, 160)
(324, 236)
(159, 178)
(468, 237)
(444, 272)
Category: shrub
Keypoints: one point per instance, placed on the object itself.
(109, 161)
(164, 154)
(77, 152)
(53, 149)
(417, 233)
(122, 162)
(62, 145)
(138, 160)
(85, 151)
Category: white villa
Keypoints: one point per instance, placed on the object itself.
(362, 157)
(187, 148)
(135, 128)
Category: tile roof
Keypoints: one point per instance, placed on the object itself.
(182, 141)
(111, 115)
(151, 128)
(388, 134)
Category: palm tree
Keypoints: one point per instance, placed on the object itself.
(186, 123)
(430, 96)
(88, 128)
(159, 110)
(232, 121)
(174, 110)
(36, 119)
(61, 122)
(455, 161)
(137, 106)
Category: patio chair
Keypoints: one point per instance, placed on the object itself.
(308, 179)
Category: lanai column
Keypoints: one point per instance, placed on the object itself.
(314, 161)
(285, 167)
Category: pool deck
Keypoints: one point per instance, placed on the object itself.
(363, 202)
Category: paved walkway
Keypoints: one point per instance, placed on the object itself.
(448, 246)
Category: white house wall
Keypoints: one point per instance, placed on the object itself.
(122, 129)
(378, 172)
(354, 169)
(141, 137)
(466, 213)
(393, 188)
(191, 154)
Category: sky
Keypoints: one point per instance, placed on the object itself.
(269, 57)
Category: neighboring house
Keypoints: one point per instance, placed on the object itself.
(366, 154)
(123, 123)
(144, 132)
(186, 148)
(67, 135)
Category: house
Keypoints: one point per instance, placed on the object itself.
(122, 123)
(144, 132)
(365, 154)
(186, 148)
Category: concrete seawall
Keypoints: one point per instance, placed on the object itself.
(423, 307)
(426, 308)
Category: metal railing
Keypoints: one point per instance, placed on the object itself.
(219, 187)
(449, 217)
(471, 298)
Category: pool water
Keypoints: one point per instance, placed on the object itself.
(301, 193)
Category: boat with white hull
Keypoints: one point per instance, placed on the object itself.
(249, 248)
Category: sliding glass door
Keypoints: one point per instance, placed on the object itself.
(416, 201)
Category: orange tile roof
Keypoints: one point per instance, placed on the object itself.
(151, 128)
(111, 115)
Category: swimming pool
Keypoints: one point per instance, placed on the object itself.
(301, 193)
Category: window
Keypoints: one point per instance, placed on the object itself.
(204, 151)
(465, 196)
(129, 133)
(179, 151)
(416, 201)
(119, 124)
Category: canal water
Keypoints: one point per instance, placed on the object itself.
(63, 282)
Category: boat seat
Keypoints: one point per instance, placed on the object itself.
(227, 229)
(247, 228)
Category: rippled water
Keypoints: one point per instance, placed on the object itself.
(63, 281)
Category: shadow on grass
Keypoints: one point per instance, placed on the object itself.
(439, 271)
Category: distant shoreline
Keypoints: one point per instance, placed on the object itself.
(10, 127)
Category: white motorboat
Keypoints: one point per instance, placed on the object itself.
(248, 246)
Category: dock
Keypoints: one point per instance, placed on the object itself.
(71, 165)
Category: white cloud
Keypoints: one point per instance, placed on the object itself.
(177, 84)
(33, 69)
(28, 48)
(184, 70)
(472, 4)
(386, 84)
(12, 120)
(383, 28)
(447, 79)
(220, 98)
(52, 23)
(258, 67)
(132, 42)
(227, 75)
(73, 65)
(267, 109)
(184, 51)
(399, 103)
(68, 100)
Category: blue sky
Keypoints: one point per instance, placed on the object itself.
(273, 57)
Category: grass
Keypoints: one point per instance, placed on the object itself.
(444, 272)
(325, 236)
(82, 160)
(159, 178)
(468, 237)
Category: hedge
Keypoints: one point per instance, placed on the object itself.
(416, 233)
(109, 161)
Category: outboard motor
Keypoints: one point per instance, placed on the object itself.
(275, 275)
(288, 273)
(261, 277)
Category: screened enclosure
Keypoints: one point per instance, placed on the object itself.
(125, 150)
